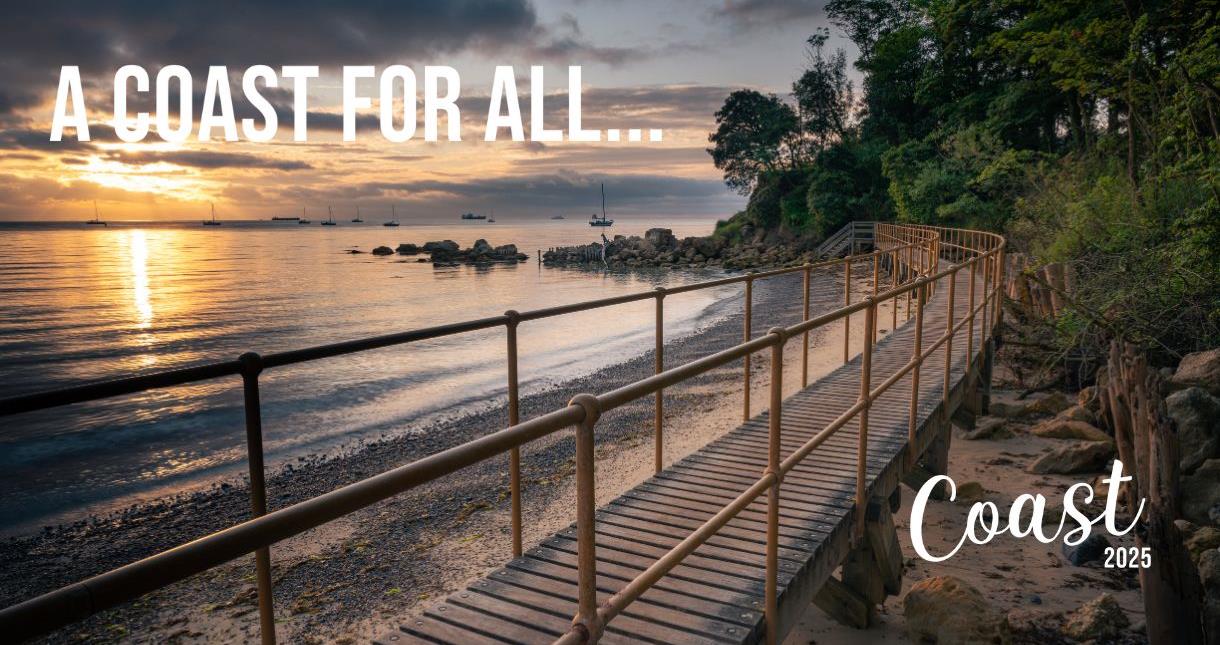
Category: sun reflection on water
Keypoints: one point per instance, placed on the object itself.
(141, 293)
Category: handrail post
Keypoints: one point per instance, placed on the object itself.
(988, 262)
(866, 368)
(514, 417)
(908, 273)
(917, 356)
(876, 274)
(774, 414)
(586, 535)
(805, 337)
(846, 303)
(749, 314)
(894, 285)
(949, 339)
(251, 367)
(658, 367)
(974, 266)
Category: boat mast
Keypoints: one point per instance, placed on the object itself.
(603, 201)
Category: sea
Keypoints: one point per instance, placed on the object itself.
(82, 303)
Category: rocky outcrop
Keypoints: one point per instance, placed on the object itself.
(1197, 415)
(1201, 494)
(1064, 428)
(383, 250)
(447, 253)
(660, 248)
(1047, 405)
(1084, 457)
(1100, 618)
(947, 611)
(1200, 369)
(408, 249)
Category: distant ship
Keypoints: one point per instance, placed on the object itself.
(97, 219)
(473, 216)
(558, 217)
(302, 219)
(212, 222)
(284, 219)
(330, 219)
(393, 217)
(594, 220)
(357, 220)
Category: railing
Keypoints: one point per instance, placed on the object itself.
(912, 254)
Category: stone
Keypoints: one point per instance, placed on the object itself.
(1078, 412)
(1200, 369)
(1197, 415)
(447, 246)
(1092, 549)
(1204, 539)
(407, 249)
(947, 611)
(661, 238)
(1060, 428)
(993, 428)
(1209, 569)
(481, 247)
(1087, 398)
(1052, 403)
(1096, 619)
(969, 493)
(1082, 457)
(383, 250)
(1200, 493)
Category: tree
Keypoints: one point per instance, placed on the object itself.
(752, 134)
(824, 96)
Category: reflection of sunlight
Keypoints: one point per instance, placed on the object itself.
(139, 279)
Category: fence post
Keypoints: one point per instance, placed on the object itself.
(876, 274)
(514, 417)
(805, 338)
(745, 408)
(917, 356)
(974, 265)
(894, 285)
(846, 302)
(251, 367)
(658, 367)
(866, 368)
(774, 414)
(586, 545)
(949, 339)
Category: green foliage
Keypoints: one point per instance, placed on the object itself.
(751, 130)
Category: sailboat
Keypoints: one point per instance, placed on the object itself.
(212, 222)
(357, 220)
(492, 218)
(330, 220)
(394, 217)
(303, 219)
(97, 218)
(594, 220)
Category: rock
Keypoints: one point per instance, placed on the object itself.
(407, 249)
(1200, 369)
(970, 492)
(1087, 398)
(1209, 569)
(1202, 540)
(1078, 413)
(1197, 415)
(1200, 492)
(1093, 549)
(1083, 457)
(447, 246)
(661, 238)
(1060, 428)
(1098, 618)
(993, 428)
(947, 611)
(481, 247)
(1052, 403)
(383, 250)
(507, 250)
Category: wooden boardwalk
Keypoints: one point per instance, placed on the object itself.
(716, 594)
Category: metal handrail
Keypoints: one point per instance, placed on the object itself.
(81, 599)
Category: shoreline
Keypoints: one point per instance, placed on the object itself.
(441, 525)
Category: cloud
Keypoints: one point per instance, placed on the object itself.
(752, 14)
(208, 159)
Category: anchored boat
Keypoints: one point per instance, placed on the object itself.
(594, 220)
(213, 221)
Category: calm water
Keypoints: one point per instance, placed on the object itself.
(83, 302)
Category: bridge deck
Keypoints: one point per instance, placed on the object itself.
(716, 594)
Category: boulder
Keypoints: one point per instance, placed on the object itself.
(1197, 415)
(1097, 619)
(1201, 541)
(1061, 428)
(447, 246)
(383, 250)
(1209, 570)
(1201, 369)
(1092, 549)
(1200, 493)
(660, 238)
(969, 493)
(407, 249)
(947, 611)
(1087, 398)
(1052, 403)
(1078, 412)
(1082, 457)
(481, 247)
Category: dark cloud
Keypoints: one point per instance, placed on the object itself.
(209, 159)
(752, 14)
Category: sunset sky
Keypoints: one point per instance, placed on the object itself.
(646, 64)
